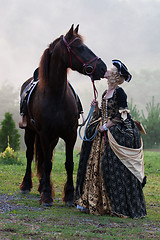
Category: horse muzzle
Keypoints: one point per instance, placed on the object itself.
(100, 70)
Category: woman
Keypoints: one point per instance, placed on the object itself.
(111, 171)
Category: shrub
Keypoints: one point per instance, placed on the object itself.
(9, 156)
(8, 128)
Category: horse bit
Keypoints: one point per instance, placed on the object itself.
(87, 68)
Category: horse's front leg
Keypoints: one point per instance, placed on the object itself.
(46, 186)
(69, 165)
(26, 184)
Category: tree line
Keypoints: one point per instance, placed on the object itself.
(140, 91)
(151, 123)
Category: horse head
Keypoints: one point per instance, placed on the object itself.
(80, 57)
(69, 51)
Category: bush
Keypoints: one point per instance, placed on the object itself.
(9, 156)
(8, 128)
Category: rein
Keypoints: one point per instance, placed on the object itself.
(89, 70)
(85, 138)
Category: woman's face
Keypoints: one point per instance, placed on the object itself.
(107, 73)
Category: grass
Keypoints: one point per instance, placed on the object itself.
(22, 217)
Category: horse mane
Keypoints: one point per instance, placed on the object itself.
(44, 63)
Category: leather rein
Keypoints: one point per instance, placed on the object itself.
(87, 68)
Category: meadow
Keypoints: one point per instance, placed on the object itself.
(22, 216)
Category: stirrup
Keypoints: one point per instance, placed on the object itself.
(23, 122)
(22, 125)
(83, 120)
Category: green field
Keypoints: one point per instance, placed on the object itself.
(22, 217)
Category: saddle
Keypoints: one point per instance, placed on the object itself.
(27, 92)
(25, 96)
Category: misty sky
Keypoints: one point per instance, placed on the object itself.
(125, 29)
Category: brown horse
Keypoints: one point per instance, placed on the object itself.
(53, 113)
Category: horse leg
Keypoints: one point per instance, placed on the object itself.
(46, 186)
(26, 184)
(69, 165)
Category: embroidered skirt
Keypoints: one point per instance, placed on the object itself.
(104, 183)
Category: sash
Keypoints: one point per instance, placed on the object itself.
(130, 157)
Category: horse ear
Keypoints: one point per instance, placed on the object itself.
(70, 32)
(76, 29)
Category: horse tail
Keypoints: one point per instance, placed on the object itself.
(38, 157)
(44, 68)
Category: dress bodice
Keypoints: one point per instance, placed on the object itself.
(110, 107)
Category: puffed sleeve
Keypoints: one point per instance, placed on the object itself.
(121, 98)
(122, 103)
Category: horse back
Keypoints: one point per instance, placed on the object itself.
(53, 113)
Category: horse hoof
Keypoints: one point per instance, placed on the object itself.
(69, 204)
(47, 204)
(25, 191)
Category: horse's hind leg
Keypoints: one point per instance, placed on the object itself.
(26, 184)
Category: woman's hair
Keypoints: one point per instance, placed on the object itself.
(115, 78)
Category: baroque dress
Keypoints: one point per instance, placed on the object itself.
(106, 184)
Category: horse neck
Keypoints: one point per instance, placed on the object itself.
(57, 80)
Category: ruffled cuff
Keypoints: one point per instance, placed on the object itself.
(124, 112)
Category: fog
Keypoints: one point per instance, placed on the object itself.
(123, 29)
(128, 30)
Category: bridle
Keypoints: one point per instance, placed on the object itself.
(87, 68)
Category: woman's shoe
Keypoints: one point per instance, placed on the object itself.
(82, 209)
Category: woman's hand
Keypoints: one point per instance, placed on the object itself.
(101, 129)
(94, 103)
